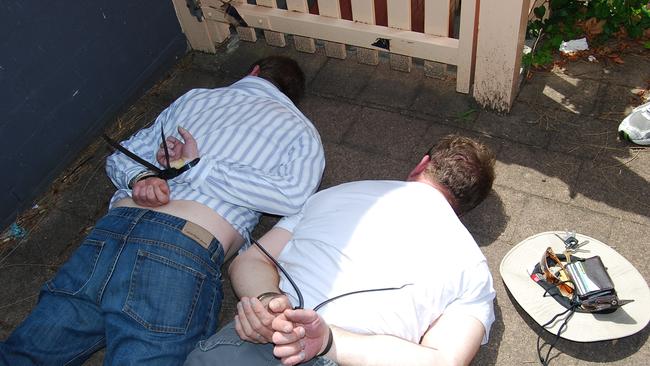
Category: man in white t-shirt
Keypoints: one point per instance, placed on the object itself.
(431, 298)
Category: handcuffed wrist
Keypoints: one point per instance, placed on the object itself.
(140, 176)
(270, 294)
(330, 340)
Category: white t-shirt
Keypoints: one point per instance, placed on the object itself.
(378, 234)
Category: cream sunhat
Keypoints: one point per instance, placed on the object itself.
(519, 262)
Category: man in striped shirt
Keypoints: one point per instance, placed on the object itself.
(145, 283)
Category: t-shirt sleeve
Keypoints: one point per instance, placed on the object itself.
(289, 223)
(476, 297)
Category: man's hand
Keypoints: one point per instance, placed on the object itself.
(254, 318)
(179, 151)
(299, 336)
(150, 192)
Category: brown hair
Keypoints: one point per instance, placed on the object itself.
(465, 167)
(285, 73)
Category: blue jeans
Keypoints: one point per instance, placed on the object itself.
(226, 349)
(137, 285)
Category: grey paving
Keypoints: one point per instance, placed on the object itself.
(560, 166)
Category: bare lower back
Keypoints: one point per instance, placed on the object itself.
(201, 215)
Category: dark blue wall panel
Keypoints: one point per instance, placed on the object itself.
(66, 69)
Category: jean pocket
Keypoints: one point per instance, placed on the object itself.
(73, 276)
(163, 293)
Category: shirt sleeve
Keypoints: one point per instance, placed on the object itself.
(476, 297)
(120, 168)
(281, 192)
(289, 223)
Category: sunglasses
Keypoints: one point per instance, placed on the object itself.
(555, 272)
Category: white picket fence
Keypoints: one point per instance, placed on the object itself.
(435, 45)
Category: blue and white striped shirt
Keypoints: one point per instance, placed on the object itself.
(259, 153)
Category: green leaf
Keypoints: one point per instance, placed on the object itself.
(647, 45)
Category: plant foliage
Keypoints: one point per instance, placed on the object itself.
(598, 20)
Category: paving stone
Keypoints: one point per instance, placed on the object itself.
(400, 62)
(537, 171)
(335, 50)
(543, 214)
(439, 98)
(508, 324)
(359, 165)
(587, 137)
(88, 184)
(523, 125)
(583, 69)
(437, 70)
(367, 56)
(619, 101)
(391, 88)
(560, 91)
(492, 219)
(209, 61)
(193, 78)
(304, 44)
(240, 55)
(618, 187)
(343, 78)
(275, 39)
(438, 130)
(435, 132)
(247, 34)
(633, 73)
(388, 134)
(332, 118)
(631, 239)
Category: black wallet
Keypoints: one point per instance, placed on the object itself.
(593, 285)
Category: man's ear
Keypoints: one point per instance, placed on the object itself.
(255, 71)
(422, 165)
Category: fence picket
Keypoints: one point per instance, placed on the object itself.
(437, 17)
(399, 17)
(466, 42)
(363, 11)
(276, 39)
(332, 9)
(302, 44)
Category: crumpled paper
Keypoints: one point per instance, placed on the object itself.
(573, 46)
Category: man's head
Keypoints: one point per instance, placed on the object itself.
(460, 165)
(284, 73)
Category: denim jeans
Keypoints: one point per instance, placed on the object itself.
(136, 285)
(226, 349)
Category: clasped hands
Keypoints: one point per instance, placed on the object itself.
(298, 335)
(154, 191)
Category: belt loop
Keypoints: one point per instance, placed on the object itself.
(216, 251)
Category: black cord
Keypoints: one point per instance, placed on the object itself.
(358, 292)
(164, 144)
(572, 310)
(301, 301)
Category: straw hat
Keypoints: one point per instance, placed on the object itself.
(519, 262)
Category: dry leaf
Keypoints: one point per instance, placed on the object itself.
(616, 58)
(593, 26)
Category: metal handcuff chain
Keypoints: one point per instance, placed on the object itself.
(301, 301)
